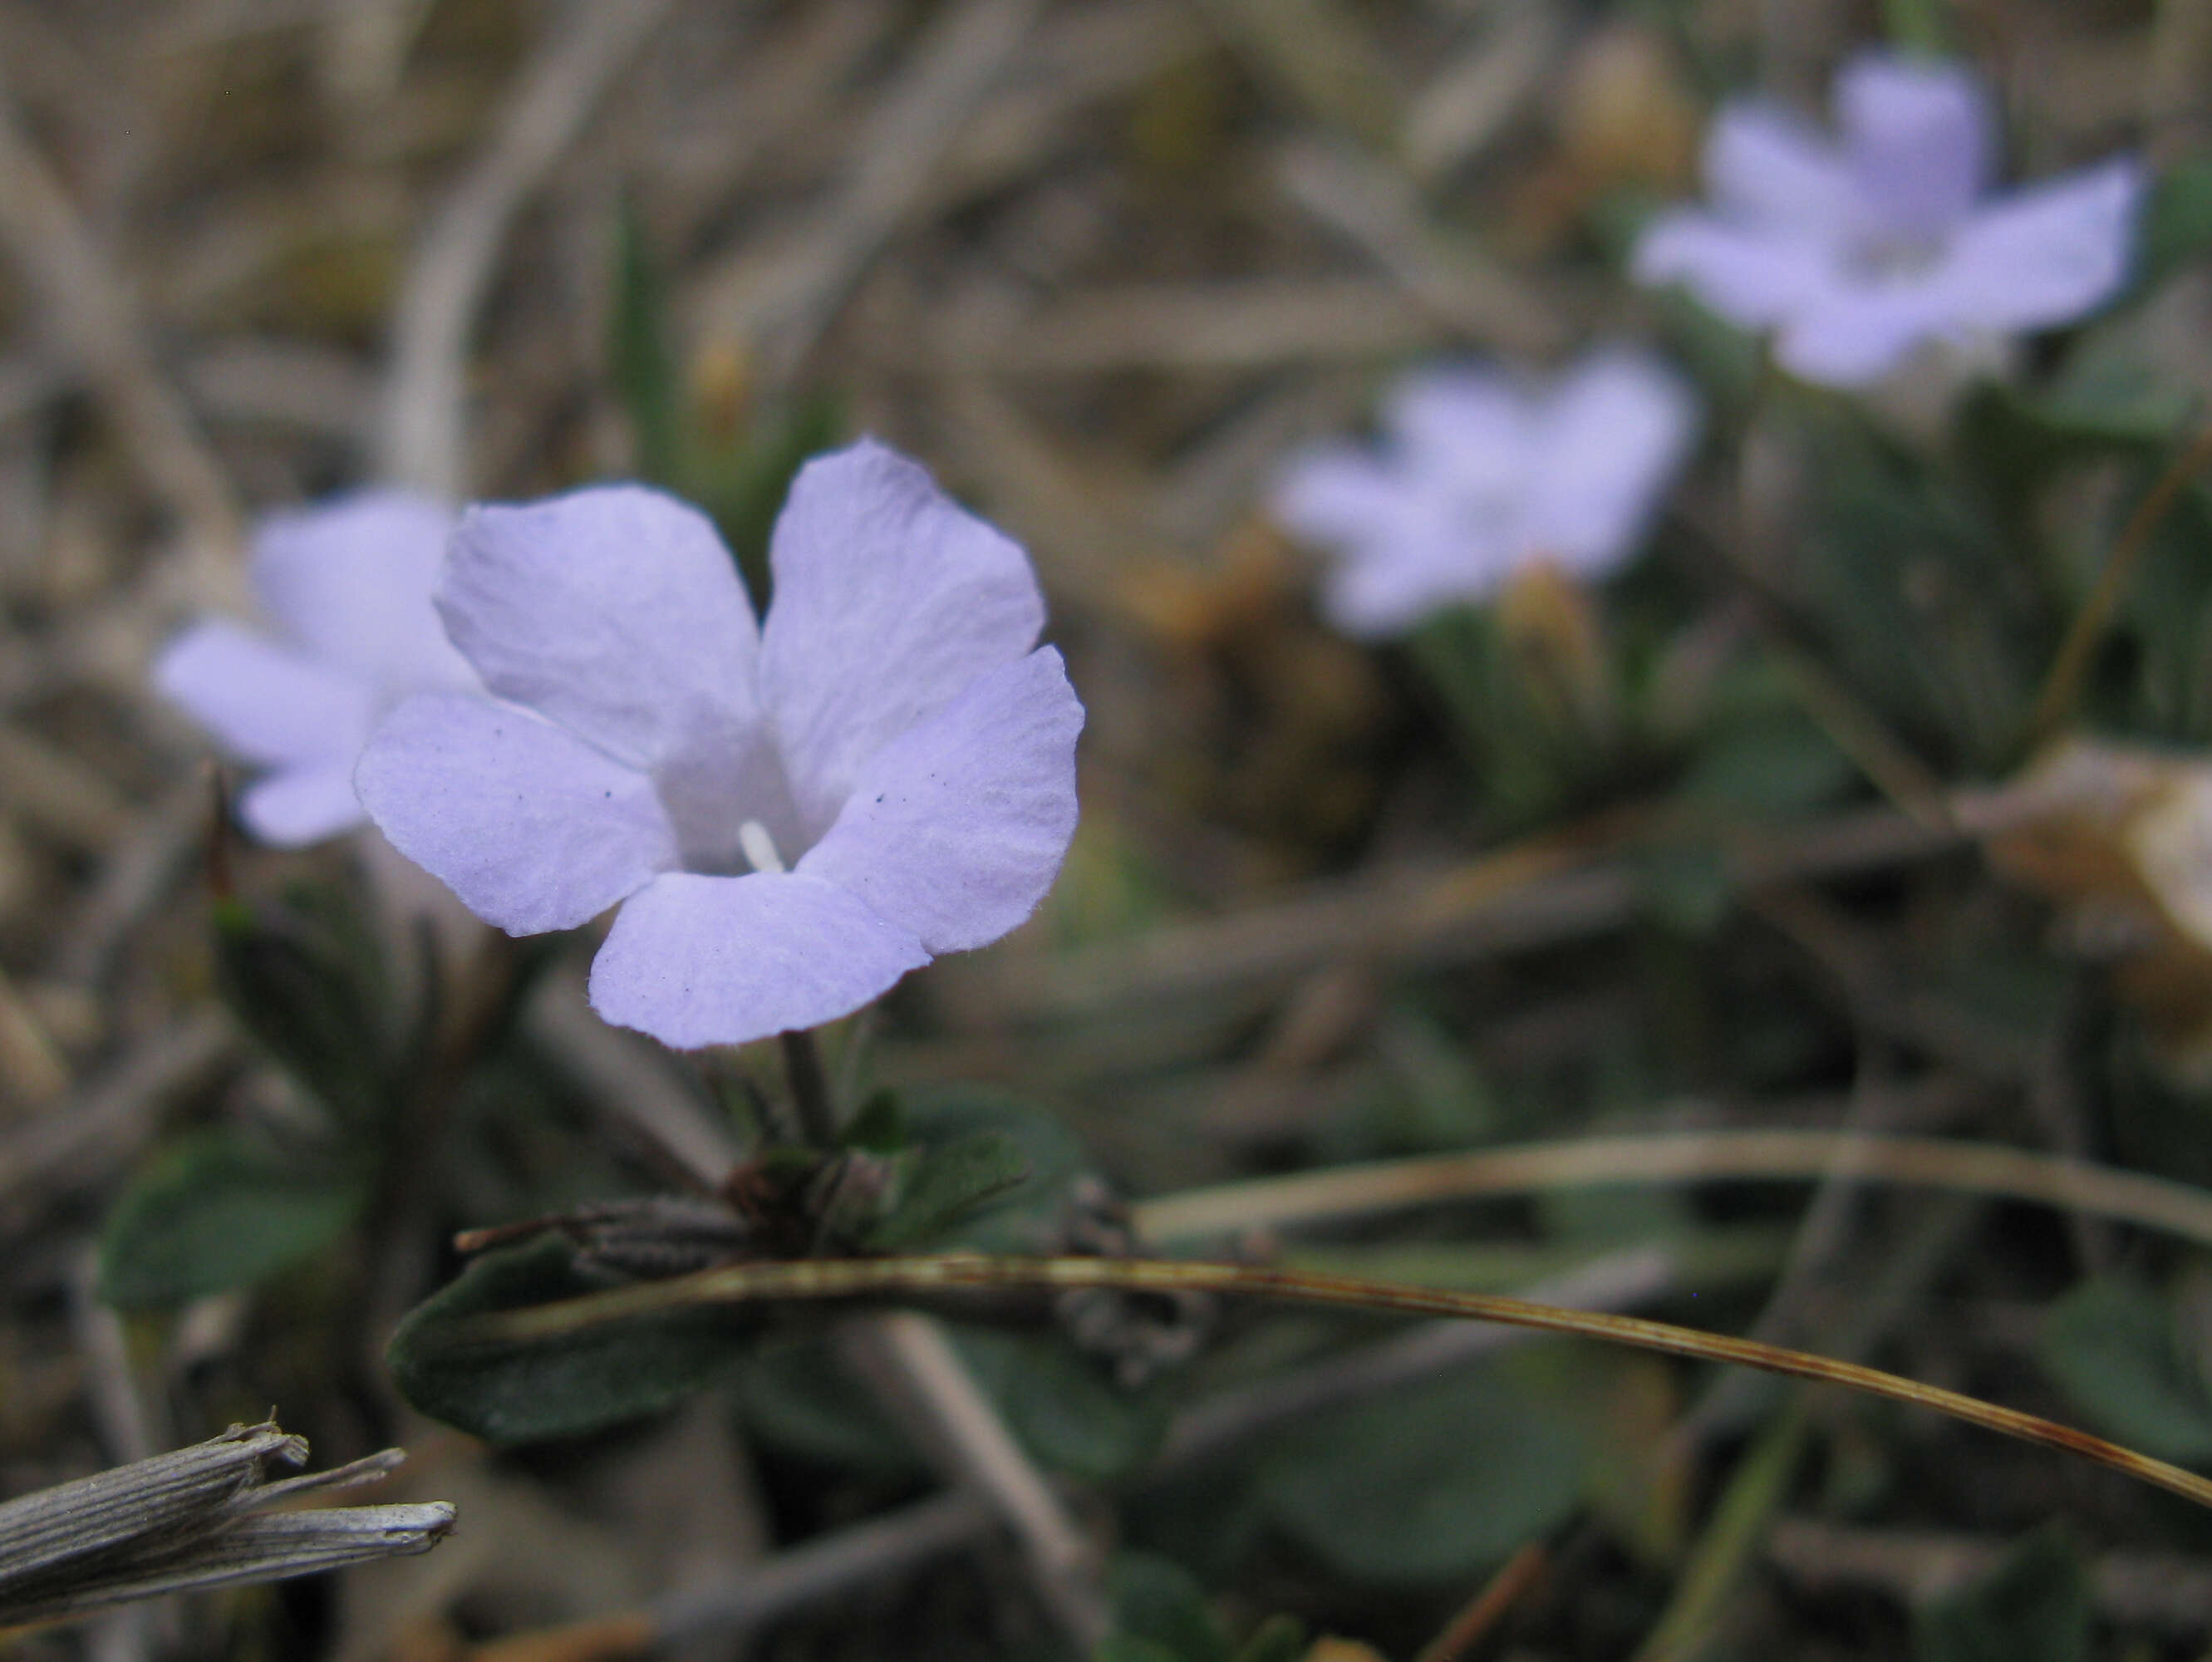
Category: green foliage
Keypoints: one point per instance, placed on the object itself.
(638, 355)
(947, 1185)
(557, 1387)
(220, 1210)
(227, 1208)
(1426, 1485)
(1061, 1405)
(2034, 1607)
(740, 476)
(2177, 221)
(1770, 765)
(1160, 1614)
(305, 981)
(797, 1396)
(877, 1126)
(1014, 1217)
(1279, 1639)
(2112, 1348)
(744, 487)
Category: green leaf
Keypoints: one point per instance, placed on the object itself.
(2111, 1346)
(1428, 1484)
(879, 1127)
(1159, 1611)
(798, 1397)
(1015, 1219)
(1686, 885)
(745, 489)
(1441, 1098)
(946, 1185)
(638, 352)
(305, 987)
(2177, 222)
(216, 1212)
(1279, 1639)
(558, 1387)
(2034, 1607)
(1768, 767)
(1061, 1405)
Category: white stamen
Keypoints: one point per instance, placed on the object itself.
(759, 846)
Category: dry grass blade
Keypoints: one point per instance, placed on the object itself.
(853, 1278)
(2064, 686)
(44, 235)
(1515, 899)
(784, 302)
(191, 1520)
(423, 441)
(1681, 1157)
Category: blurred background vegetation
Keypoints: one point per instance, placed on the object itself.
(1772, 833)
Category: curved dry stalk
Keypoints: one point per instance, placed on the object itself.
(1978, 1168)
(849, 1278)
(421, 438)
(2063, 686)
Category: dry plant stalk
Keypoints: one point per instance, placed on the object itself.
(195, 1518)
(853, 1278)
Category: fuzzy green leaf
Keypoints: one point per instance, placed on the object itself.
(216, 1212)
(2032, 1607)
(559, 1387)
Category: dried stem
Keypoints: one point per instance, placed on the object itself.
(423, 438)
(2063, 688)
(809, 1087)
(1489, 1606)
(853, 1278)
(1679, 1157)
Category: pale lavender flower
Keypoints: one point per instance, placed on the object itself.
(1854, 253)
(791, 816)
(346, 586)
(1478, 474)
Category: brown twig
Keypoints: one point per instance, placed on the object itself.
(47, 240)
(422, 435)
(780, 301)
(2061, 688)
(1349, 1191)
(858, 1278)
(1489, 1606)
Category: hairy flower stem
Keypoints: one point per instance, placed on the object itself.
(809, 1087)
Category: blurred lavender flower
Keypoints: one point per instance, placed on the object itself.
(1854, 254)
(1477, 476)
(891, 735)
(347, 585)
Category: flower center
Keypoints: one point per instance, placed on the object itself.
(1895, 256)
(759, 846)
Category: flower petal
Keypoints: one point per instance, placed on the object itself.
(615, 612)
(955, 829)
(263, 703)
(533, 828)
(1336, 495)
(1858, 335)
(1615, 429)
(295, 807)
(1754, 278)
(723, 960)
(2045, 255)
(889, 599)
(1769, 169)
(1471, 424)
(1919, 135)
(1388, 591)
(350, 580)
